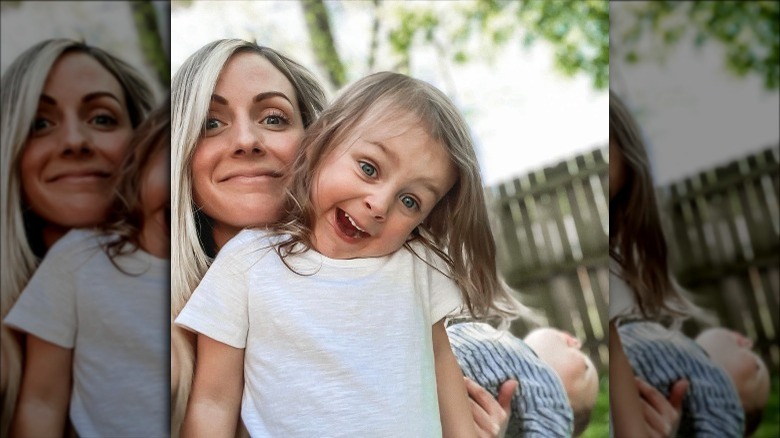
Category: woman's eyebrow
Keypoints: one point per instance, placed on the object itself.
(270, 94)
(97, 95)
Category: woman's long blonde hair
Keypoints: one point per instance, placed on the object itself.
(22, 85)
(636, 238)
(192, 246)
(457, 229)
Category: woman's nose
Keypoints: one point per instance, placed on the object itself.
(75, 140)
(247, 141)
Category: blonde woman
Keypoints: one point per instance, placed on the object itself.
(68, 111)
(256, 104)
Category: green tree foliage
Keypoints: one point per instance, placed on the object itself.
(749, 32)
(150, 41)
(577, 30)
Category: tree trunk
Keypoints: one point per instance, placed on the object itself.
(325, 52)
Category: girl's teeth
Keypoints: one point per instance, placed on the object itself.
(353, 222)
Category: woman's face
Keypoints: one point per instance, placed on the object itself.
(252, 133)
(617, 168)
(76, 143)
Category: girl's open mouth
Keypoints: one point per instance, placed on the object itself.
(348, 226)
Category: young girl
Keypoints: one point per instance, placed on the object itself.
(385, 225)
(640, 284)
(48, 126)
(95, 311)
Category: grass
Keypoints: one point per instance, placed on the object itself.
(599, 418)
(770, 424)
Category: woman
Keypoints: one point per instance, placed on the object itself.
(68, 111)
(237, 121)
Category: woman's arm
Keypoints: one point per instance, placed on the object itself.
(42, 407)
(215, 402)
(456, 420)
(624, 401)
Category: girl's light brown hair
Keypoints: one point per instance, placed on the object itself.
(636, 237)
(126, 217)
(457, 229)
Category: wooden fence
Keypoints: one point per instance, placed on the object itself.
(551, 227)
(722, 226)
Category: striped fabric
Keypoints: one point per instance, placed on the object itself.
(490, 357)
(660, 356)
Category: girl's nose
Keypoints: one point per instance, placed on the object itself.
(378, 204)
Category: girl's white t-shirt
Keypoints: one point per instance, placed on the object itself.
(117, 325)
(340, 348)
(621, 297)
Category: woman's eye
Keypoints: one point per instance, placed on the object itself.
(212, 124)
(39, 124)
(368, 169)
(409, 202)
(276, 119)
(104, 120)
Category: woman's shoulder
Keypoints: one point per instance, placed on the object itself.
(249, 241)
(77, 243)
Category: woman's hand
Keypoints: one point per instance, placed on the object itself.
(662, 415)
(491, 416)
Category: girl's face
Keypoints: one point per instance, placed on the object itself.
(617, 168)
(251, 136)
(156, 204)
(75, 144)
(372, 190)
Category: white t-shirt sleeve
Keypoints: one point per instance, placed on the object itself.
(218, 308)
(444, 294)
(46, 307)
(621, 297)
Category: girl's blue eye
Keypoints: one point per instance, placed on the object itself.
(368, 169)
(409, 202)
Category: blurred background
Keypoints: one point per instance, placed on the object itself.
(137, 32)
(702, 80)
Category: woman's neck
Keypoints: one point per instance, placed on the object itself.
(51, 233)
(222, 233)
